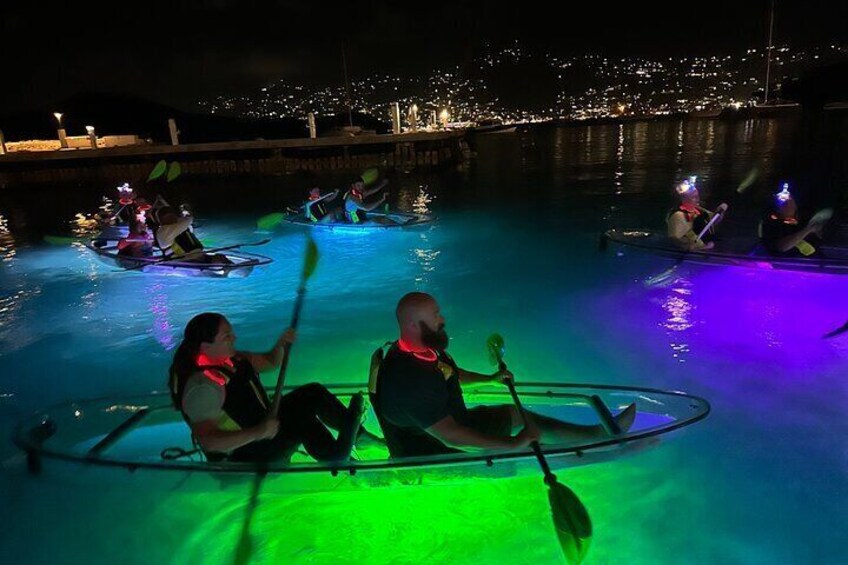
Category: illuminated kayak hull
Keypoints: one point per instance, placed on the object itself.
(739, 252)
(102, 440)
(242, 263)
(394, 220)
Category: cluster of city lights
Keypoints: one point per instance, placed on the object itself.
(589, 86)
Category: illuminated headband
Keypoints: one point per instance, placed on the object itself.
(784, 195)
(686, 186)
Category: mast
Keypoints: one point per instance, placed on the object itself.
(768, 53)
(347, 87)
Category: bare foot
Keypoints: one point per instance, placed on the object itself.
(625, 417)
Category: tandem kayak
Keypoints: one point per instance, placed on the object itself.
(241, 263)
(394, 220)
(101, 438)
(738, 252)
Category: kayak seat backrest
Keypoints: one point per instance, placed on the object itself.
(373, 386)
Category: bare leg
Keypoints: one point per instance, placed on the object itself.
(556, 431)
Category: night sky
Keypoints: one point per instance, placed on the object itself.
(176, 52)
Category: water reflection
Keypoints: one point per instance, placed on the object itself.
(423, 253)
(7, 241)
(163, 330)
(679, 310)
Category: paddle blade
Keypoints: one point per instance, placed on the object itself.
(496, 347)
(157, 171)
(174, 171)
(748, 180)
(571, 521)
(310, 260)
(61, 239)
(270, 221)
(370, 175)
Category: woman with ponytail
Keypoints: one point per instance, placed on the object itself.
(219, 393)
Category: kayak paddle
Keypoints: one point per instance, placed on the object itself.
(571, 519)
(244, 550)
(272, 220)
(172, 259)
(310, 262)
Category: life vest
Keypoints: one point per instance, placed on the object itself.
(398, 437)
(804, 247)
(316, 212)
(183, 244)
(352, 212)
(245, 400)
(696, 216)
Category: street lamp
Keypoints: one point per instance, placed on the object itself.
(413, 117)
(63, 140)
(444, 116)
(92, 137)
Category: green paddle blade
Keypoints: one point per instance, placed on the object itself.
(310, 260)
(571, 521)
(368, 176)
(496, 347)
(270, 221)
(61, 239)
(157, 171)
(748, 180)
(174, 171)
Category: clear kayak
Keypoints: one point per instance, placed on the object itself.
(240, 265)
(101, 440)
(738, 252)
(374, 221)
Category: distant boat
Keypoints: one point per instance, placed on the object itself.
(494, 126)
(776, 105)
(705, 113)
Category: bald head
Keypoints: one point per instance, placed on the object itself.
(418, 317)
(412, 305)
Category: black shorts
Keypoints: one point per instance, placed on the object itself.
(491, 420)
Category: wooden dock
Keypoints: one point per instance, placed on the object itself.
(404, 151)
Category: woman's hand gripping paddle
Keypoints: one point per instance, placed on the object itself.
(244, 550)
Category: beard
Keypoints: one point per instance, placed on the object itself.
(437, 339)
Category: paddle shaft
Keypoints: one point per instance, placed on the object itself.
(537, 449)
(281, 377)
(206, 251)
(716, 217)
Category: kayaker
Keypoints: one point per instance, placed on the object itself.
(689, 218)
(219, 393)
(354, 201)
(418, 396)
(322, 208)
(138, 242)
(126, 200)
(782, 234)
(175, 237)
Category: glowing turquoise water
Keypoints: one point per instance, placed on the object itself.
(762, 480)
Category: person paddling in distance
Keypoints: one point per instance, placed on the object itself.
(417, 396)
(688, 220)
(322, 208)
(782, 234)
(355, 206)
(219, 393)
